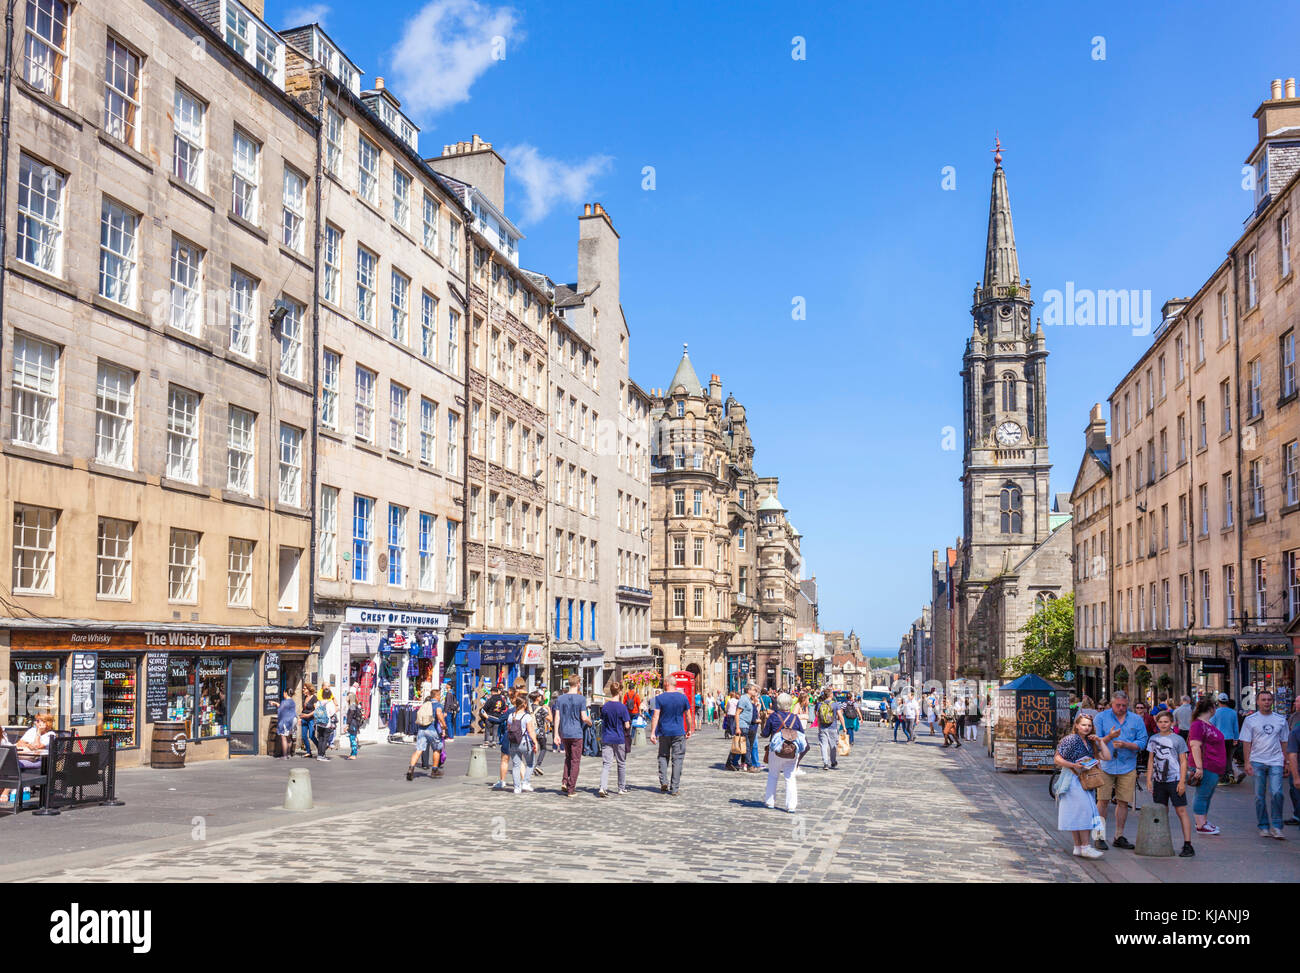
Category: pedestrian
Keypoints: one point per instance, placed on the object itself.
(829, 723)
(972, 718)
(1076, 806)
(430, 727)
(1225, 718)
(325, 722)
(1148, 720)
(931, 706)
(452, 708)
(286, 718)
(542, 726)
(494, 713)
(1126, 736)
(751, 739)
(616, 727)
(1183, 717)
(911, 716)
(950, 725)
(570, 717)
(783, 730)
(1167, 774)
(521, 739)
(1292, 749)
(306, 717)
(729, 721)
(1210, 760)
(900, 717)
(852, 718)
(959, 711)
(744, 717)
(671, 726)
(352, 718)
(1263, 735)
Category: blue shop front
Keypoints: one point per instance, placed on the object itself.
(483, 657)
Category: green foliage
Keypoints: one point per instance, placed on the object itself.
(1049, 642)
(882, 661)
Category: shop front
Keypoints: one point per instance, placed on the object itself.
(223, 686)
(1207, 667)
(1265, 662)
(742, 669)
(1090, 674)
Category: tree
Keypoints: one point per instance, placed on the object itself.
(1049, 642)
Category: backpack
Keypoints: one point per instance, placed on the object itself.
(851, 711)
(787, 745)
(825, 714)
(424, 715)
(515, 731)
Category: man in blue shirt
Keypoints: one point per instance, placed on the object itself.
(670, 727)
(1225, 718)
(570, 717)
(1126, 734)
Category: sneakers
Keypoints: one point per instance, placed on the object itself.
(1188, 851)
(519, 790)
(791, 809)
(770, 803)
(528, 787)
(499, 785)
(601, 794)
(663, 788)
(537, 772)
(1276, 833)
(1087, 851)
(625, 790)
(1265, 833)
(1100, 844)
(1122, 842)
(1206, 828)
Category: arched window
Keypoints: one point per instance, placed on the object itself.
(1008, 392)
(1012, 509)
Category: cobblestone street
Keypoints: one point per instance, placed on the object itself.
(892, 813)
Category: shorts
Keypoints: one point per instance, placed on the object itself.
(1166, 792)
(1121, 788)
(426, 738)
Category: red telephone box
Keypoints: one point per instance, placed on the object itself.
(684, 682)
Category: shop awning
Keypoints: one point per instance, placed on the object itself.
(1264, 645)
(494, 648)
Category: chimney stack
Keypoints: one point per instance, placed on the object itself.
(1096, 435)
(715, 388)
(476, 163)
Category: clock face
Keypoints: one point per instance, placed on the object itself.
(1008, 434)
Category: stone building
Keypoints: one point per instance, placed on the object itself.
(725, 560)
(1091, 502)
(1012, 558)
(944, 576)
(156, 445)
(389, 369)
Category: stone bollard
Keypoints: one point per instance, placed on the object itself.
(1153, 832)
(477, 762)
(297, 796)
(639, 737)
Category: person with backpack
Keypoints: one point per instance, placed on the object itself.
(521, 737)
(325, 722)
(353, 720)
(852, 717)
(830, 721)
(571, 717)
(496, 713)
(541, 725)
(616, 724)
(430, 727)
(782, 730)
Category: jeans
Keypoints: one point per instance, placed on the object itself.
(322, 739)
(521, 769)
(572, 760)
(540, 753)
(899, 724)
(674, 748)
(306, 735)
(611, 754)
(1201, 805)
(751, 736)
(1268, 776)
(739, 759)
(828, 737)
(778, 767)
(352, 739)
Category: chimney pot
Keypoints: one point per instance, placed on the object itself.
(586, 209)
(1277, 88)
(379, 83)
(1290, 87)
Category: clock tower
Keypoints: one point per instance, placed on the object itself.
(1005, 467)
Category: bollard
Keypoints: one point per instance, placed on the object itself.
(639, 737)
(477, 762)
(1153, 832)
(297, 796)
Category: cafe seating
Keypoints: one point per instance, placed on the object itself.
(14, 733)
(15, 777)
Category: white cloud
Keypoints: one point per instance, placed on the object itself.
(446, 47)
(314, 13)
(548, 181)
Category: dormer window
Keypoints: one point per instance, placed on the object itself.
(254, 42)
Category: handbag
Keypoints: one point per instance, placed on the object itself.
(843, 747)
(738, 745)
(1092, 778)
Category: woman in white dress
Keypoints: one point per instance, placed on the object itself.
(1076, 808)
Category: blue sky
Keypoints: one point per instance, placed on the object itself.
(778, 178)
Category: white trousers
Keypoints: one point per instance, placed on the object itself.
(778, 767)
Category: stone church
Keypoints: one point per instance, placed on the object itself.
(1015, 551)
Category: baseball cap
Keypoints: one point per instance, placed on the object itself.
(1222, 697)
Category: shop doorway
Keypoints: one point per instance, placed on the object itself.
(243, 706)
(1274, 674)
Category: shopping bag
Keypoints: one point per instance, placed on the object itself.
(843, 747)
(738, 745)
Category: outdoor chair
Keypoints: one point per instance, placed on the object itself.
(16, 777)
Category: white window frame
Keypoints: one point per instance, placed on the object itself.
(45, 47)
(113, 559)
(401, 197)
(365, 403)
(114, 415)
(122, 67)
(331, 365)
(398, 405)
(35, 549)
(290, 478)
(243, 314)
(186, 286)
(245, 177)
(182, 458)
(189, 137)
(241, 450)
(291, 338)
(35, 392)
(294, 221)
(367, 273)
(399, 306)
(368, 159)
(183, 566)
(41, 190)
(328, 532)
(119, 229)
(239, 572)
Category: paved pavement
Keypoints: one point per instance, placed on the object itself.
(897, 813)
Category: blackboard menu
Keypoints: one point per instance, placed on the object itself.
(85, 670)
(155, 694)
(271, 684)
(1035, 729)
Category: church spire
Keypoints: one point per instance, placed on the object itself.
(1001, 266)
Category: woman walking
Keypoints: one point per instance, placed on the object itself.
(521, 735)
(1210, 762)
(782, 730)
(286, 719)
(352, 718)
(1076, 807)
(306, 716)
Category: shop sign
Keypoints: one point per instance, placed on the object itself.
(1200, 650)
(1264, 645)
(85, 671)
(1138, 653)
(271, 684)
(1160, 655)
(565, 658)
(533, 655)
(395, 619)
(1214, 666)
(144, 641)
(155, 692)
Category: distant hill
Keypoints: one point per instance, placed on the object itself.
(882, 661)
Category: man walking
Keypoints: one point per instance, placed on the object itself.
(671, 726)
(760, 714)
(912, 714)
(430, 730)
(830, 721)
(1183, 717)
(1263, 735)
(746, 720)
(570, 717)
(1126, 734)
